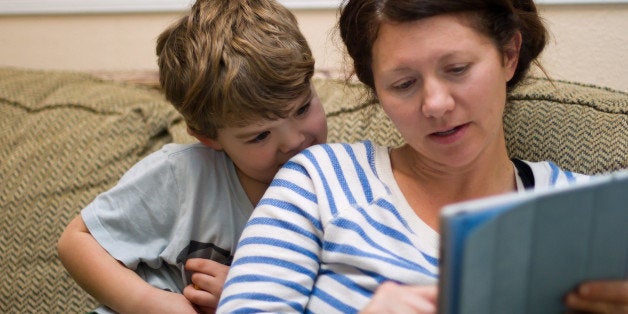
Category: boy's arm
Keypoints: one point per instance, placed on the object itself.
(109, 281)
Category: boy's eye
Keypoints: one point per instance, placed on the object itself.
(260, 137)
(304, 109)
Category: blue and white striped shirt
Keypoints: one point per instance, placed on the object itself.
(331, 228)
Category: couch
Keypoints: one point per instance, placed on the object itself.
(66, 136)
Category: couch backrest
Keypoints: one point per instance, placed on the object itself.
(582, 128)
(65, 137)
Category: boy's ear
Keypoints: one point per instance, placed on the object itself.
(511, 53)
(209, 142)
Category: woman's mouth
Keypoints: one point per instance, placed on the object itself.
(449, 136)
(448, 132)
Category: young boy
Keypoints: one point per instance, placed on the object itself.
(239, 73)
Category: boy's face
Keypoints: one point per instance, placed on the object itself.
(259, 149)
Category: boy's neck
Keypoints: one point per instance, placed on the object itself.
(254, 189)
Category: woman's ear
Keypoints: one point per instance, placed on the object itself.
(209, 142)
(511, 54)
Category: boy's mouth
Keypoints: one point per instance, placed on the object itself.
(312, 143)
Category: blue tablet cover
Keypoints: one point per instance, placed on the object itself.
(521, 253)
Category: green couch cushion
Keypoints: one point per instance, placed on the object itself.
(65, 137)
(582, 128)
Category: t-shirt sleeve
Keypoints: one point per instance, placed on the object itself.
(134, 219)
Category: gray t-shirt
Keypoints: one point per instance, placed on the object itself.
(179, 202)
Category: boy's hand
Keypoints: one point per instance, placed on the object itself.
(600, 297)
(208, 279)
(391, 297)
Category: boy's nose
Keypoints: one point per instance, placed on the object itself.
(437, 99)
(293, 142)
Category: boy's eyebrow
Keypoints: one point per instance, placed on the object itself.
(247, 134)
(309, 95)
(307, 99)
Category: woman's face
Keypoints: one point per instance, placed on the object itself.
(443, 84)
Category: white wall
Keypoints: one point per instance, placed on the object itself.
(589, 43)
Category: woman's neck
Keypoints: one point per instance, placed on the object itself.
(428, 188)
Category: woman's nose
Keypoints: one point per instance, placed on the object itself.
(437, 99)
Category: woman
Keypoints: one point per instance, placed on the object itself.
(341, 219)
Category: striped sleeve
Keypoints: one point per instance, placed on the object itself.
(325, 235)
(278, 257)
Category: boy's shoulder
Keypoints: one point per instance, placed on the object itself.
(173, 149)
(193, 151)
(193, 157)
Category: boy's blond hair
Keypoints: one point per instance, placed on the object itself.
(230, 61)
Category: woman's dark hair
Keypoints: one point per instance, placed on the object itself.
(360, 21)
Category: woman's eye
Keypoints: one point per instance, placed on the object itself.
(404, 85)
(457, 70)
(304, 109)
(260, 137)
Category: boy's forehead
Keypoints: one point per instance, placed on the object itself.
(280, 105)
(243, 122)
(270, 111)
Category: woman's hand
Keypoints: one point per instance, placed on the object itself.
(600, 297)
(208, 279)
(391, 297)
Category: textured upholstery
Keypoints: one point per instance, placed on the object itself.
(581, 128)
(65, 137)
